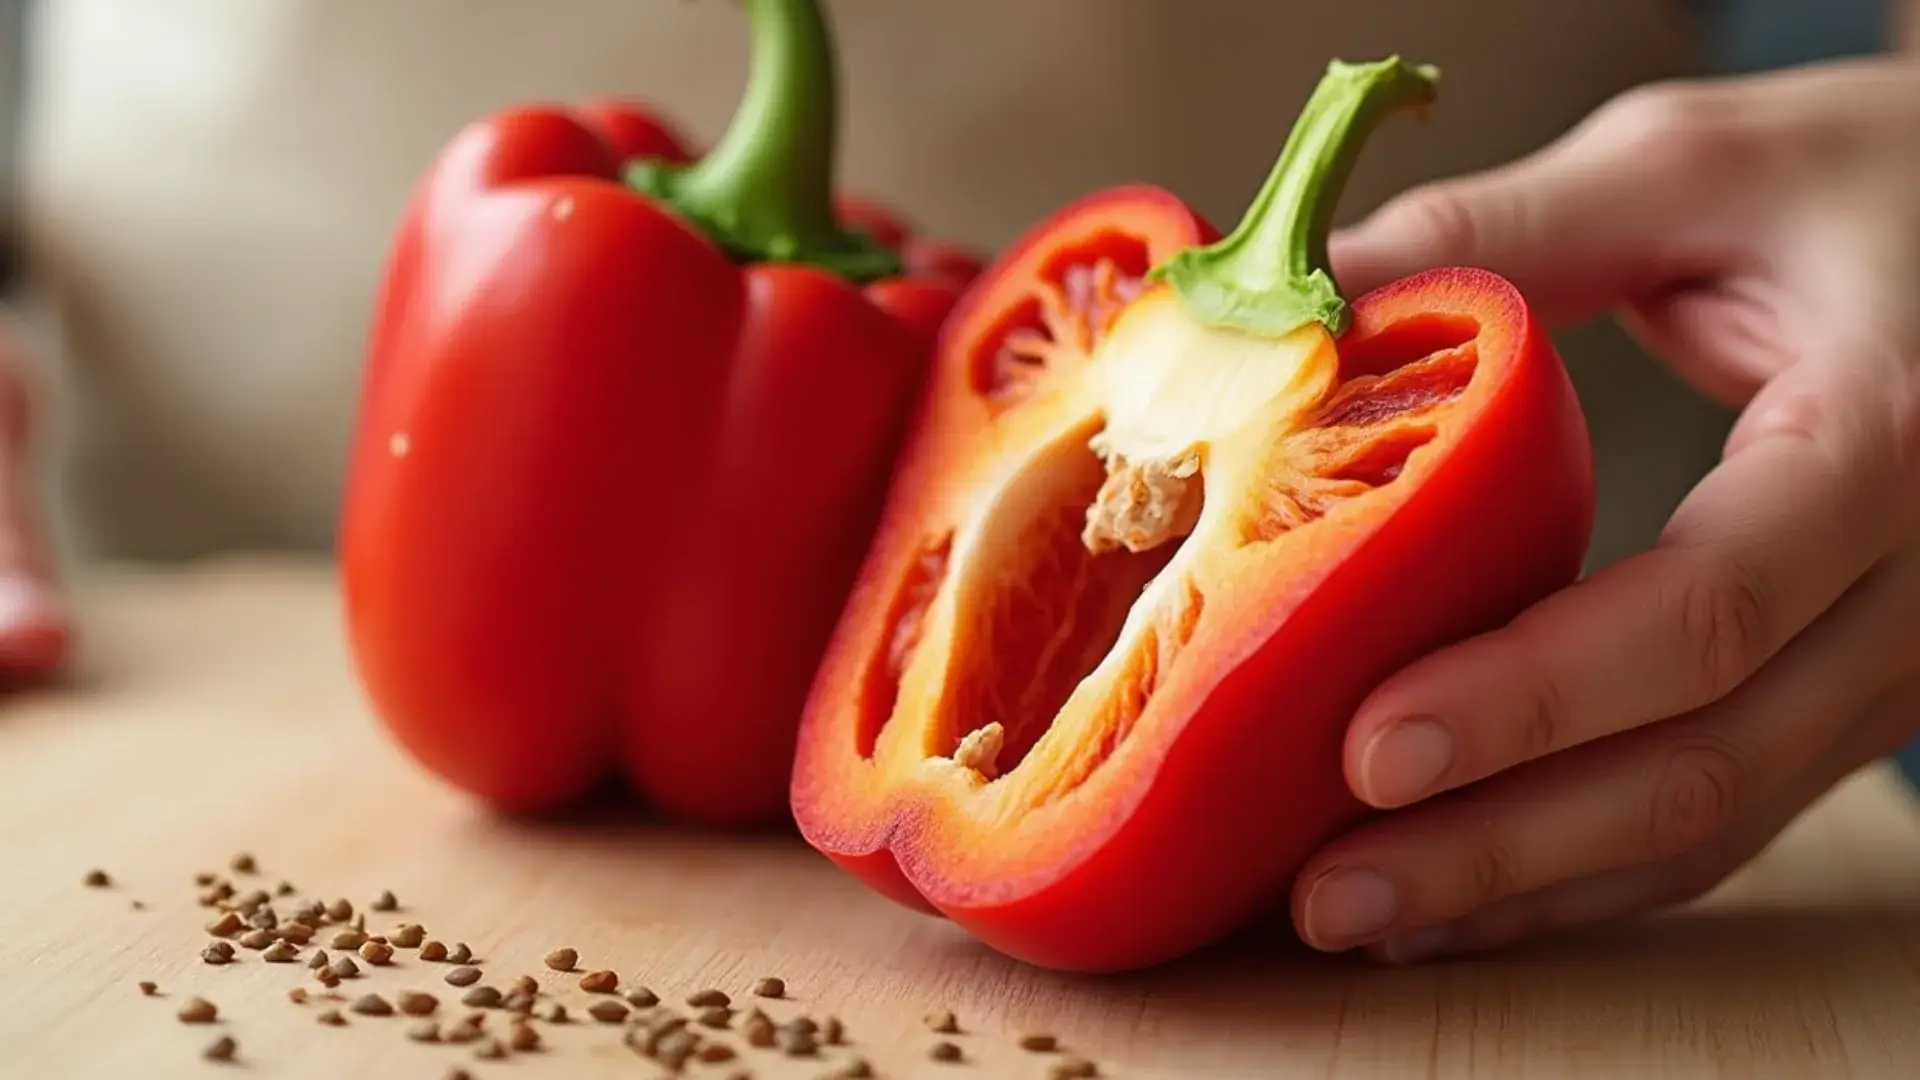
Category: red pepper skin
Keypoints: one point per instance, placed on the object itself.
(1201, 813)
(608, 488)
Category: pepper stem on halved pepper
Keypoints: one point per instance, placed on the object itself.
(1271, 274)
(765, 191)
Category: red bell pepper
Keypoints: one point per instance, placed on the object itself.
(625, 431)
(1175, 507)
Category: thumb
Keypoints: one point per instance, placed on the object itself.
(1604, 214)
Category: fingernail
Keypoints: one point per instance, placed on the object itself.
(1417, 945)
(1403, 763)
(1348, 907)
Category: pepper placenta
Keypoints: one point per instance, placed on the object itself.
(1175, 507)
(625, 430)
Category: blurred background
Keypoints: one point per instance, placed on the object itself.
(204, 189)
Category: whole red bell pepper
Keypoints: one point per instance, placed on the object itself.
(1175, 507)
(625, 430)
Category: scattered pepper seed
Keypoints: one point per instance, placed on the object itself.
(642, 998)
(855, 1069)
(943, 1022)
(137, 904)
(385, 901)
(252, 901)
(198, 1010)
(797, 1042)
(426, 1031)
(415, 1003)
(228, 924)
(297, 995)
(715, 1016)
(96, 879)
(833, 1032)
(256, 939)
(463, 976)
(376, 953)
(205, 878)
(523, 1038)
(285, 888)
(607, 1011)
(280, 953)
(296, 933)
(349, 939)
(378, 939)
(759, 1032)
(372, 1005)
(490, 1050)
(482, 997)
(148, 987)
(318, 960)
(458, 1073)
(803, 1023)
(556, 1014)
(433, 950)
(243, 864)
(327, 977)
(715, 1052)
(459, 954)
(709, 997)
(332, 1018)
(344, 967)
(518, 1001)
(359, 922)
(340, 910)
(563, 959)
(1039, 1043)
(945, 1051)
(221, 1049)
(599, 982)
(526, 984)
(1073, 1068)
(409, 935)
(463, 1032)
(770, 988)
(675, 1048)
(263, 918)
(217, 952)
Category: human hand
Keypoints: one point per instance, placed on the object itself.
(1763, 237)
(35, 628)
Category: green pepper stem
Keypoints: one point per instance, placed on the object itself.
(1271, 276)
(765, 192)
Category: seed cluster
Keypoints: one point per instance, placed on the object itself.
(709, 1029)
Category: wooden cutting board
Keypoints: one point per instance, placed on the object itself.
(214, 713)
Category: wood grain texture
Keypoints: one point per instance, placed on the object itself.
(214, 712)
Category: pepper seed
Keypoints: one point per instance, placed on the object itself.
(243, 864)
(349, 939)
(376, 953)
(285, 888)
(607, 1011)
(523, 1038)
(221, 1049)
(296, 933)
(599, 982)
(340, 910)
(945, 1051)
(409, 935)
(715, 1017)
(459, 954)
(709, 997)
(433, 950)
(463, 976)
(759, 1032)
(770, 988)
(228, 924)
(490, 1050)
(463, 1032)
(1073, 1068)
(1039, 1043)
(327, 977)
(344, 967)
(256, 939)
(385, 901)
(482, 997)
(424, 1032)
(856, 1069)
(217, 952)
(563, 959)
(556, 1014)
(943, 1022)
(372, 1005)
(797, 1042)
(252, 901)
(526, 984)
(332, 1018)
(96, 879)
(833, 1032)
(198, 1010)
(297, 995)
(318, 959)
(415, 1003)
(642, 998)
(714, 1052)
(280, 953)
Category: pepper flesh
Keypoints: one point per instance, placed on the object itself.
(1146, 554)
(614, 470)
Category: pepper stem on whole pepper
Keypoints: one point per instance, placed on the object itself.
(765, 192)
(1271, 275)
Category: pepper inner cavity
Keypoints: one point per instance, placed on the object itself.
(1041, 610)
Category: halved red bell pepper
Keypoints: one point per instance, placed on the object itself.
(625, 432)
(1174, 508)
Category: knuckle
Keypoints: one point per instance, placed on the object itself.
(1546, 728)
(1496, 872)
(1437, 217)
(1723, 625)
(1697, 797)
(1676, 126)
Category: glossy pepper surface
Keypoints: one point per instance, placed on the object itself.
(1174, 507)
(625, 430)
